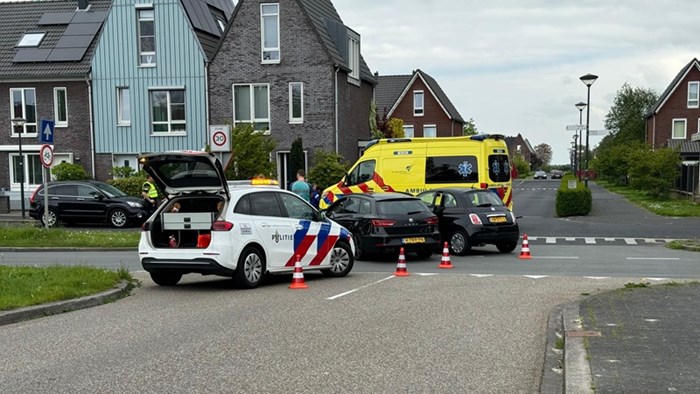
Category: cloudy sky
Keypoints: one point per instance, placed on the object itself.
(514, 65)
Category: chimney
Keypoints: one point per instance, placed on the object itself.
(83, 5)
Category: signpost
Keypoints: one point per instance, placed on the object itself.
(46, 156)
(575, 127)
(47, 131)
(220, 140)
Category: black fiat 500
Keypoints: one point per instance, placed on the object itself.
(386, 222)
(472, 217)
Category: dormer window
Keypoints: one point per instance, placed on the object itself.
(222, 25)
(354, 55)
(31, 39)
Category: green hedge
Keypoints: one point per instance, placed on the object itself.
(131, 185)
(573, 202)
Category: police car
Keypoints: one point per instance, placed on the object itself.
(243, 231)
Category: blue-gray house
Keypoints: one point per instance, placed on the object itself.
(149, 76)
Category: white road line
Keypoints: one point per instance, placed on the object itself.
(609, 239)
(655, 279)
(650, 240)
(555, 257)
(570, 239)
(426, 274)
(653, 258)
(481, 275)
(597, 277)
(536, 276)
(359, 288)
(589, 240)
(551, 240)
(630, 241)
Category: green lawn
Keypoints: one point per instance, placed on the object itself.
(32, 236)
(670, 206)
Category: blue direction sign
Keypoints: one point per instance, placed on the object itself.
(46, 132)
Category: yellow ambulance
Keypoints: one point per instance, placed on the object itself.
(413, 165)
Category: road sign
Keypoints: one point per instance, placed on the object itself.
(46, 154)
(598, 132)
(220, 141)
(46, 134)
(573, 127)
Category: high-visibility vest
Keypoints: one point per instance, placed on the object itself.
(152, 192)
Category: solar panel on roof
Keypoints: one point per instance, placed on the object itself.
(66, 54)
(89, 17)
(82, 41)
(77, 29)
(31, 55)
(56, 18)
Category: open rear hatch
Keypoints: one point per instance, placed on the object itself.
(183, 172)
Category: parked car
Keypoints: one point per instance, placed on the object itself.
(243, 230)
(86, 202)
(472, 217)
(540, 175)
(556, 174)
(386, 222)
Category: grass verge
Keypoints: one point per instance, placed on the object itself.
(27, 286)
(25, 236)
(669, 206)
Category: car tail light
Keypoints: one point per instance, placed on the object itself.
(474, 218)
(221, 225)
(383, 222)
(32, 199)
(433, 220)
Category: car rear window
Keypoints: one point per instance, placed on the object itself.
(499, 168)
(400, 207)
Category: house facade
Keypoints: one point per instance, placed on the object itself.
(293, 69)
(420, 102)
(149, 76)
(45, 53)
(520, 146)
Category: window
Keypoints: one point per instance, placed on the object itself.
(296, 102)
(362, 173)
(60, 107)
(270, 32)
(123, 107)
(354, 55)
(147, 36)
(451, 169)
(221, 24)
(23, 103)
(499, 168)
(678, 129)
(32, 170)
(408, 131)
(296, 207)
(243, 206)
(693, 94)
(418, 104)
(31, 39)
(265, 204)
(168, 111)
(251, 104)
(430, 130)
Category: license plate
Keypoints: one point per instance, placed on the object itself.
(414, 240)
(498, 219)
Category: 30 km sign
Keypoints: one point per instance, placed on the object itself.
(46, 154)
(220, 141)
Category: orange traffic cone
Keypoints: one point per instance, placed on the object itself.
(298, 276)
(401, 265)
(445, 262)
(525, 250)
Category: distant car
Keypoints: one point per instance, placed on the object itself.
(86, 202)
(556, 174)
(472, 217)
(540, 175)
(386, 222)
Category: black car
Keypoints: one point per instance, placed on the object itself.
(386, 222)
(86, 202)
(472, 217)
(556, 174)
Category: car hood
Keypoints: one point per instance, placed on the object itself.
(185, 172)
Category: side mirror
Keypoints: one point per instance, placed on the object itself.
(320, 216)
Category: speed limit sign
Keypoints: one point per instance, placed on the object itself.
(220, 141)
(46, 154)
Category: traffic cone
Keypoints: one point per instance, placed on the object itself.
(298, 276)
(525, 249)
(401, 265)
(445, 262)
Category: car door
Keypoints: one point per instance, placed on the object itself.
(274, 227)
(447, 211)
(345, 213)
(62, 198)
(312, 236)
(91, 204)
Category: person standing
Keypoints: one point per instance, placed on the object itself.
(150, 195)
(301, 188)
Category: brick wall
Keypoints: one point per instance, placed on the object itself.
(433, 113)
(676, 107)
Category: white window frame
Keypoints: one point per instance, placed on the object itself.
(141, 52)
(251, 97)
(418, 111)
(32, 39)
(694, 102)
(413, 131)
(27, 123)
(673, 129)
(428, 126)
(123, 120)
(170, 122)
(296, 119)
(27, 186)
(263, 48)
(353, 56)
(57, 110)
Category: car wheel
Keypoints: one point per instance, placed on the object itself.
(506, 247)
(341, 260)
(251, 266)
(117, 218)
(51, 218)
(424, 254)
(166, 278)
(459, 243)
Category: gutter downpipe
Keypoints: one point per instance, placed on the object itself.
(92, 126)
(336, 108)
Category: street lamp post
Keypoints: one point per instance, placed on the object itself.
(580, 106)
(18, 123)
(588, 80)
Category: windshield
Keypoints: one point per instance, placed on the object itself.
(110, 190)
(401, 207)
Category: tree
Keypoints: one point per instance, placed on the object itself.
(395, 128)
(544, 154)
(654, 171)
(469, 127)
(296, 157)
(626, 117)
(328, 169)
(373, 128)
(251, 153)
(521, 165)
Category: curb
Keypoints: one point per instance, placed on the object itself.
(33, 312)
(553, 368)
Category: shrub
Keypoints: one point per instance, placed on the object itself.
(573, 202)
(251, 153)
(328, 169)
(131, 185)
(69, 172)
(125, 172)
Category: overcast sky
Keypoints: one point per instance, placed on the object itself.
(514, 65)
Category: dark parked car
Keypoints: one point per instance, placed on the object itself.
(556, 174)
(540, 175)
(472, 217)
(387, 221)
(86, 202)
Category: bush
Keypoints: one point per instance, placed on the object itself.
(251, 153)
(69, 172)
(125, 172)
(654, 171)
(573, 202)
(131, 185)
(328, 169)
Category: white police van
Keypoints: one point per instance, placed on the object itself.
(206, 227)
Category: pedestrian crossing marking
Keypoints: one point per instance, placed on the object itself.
(539, 240)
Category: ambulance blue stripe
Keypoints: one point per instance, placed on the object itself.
(301, 233)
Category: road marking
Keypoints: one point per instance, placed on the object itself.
(481, 275)
(630, 241)
(597, 277)
(655, 279)
(609, 239)
(653, 258)
(555, 257)
(536, 276)
(359, 288)
(570, 239)
(551, 240)
(589, 240)
(426, 274)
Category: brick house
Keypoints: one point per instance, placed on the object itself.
(45, 53)
(293, 69)
(520, 146)
(420, 102)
